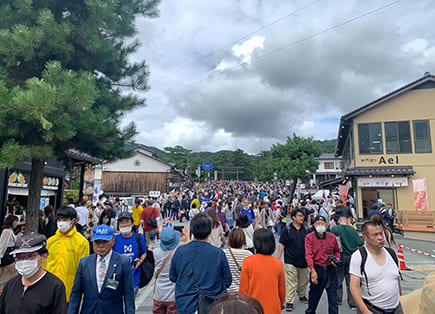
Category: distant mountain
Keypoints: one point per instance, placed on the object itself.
(328, 146)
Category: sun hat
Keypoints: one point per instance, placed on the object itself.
(31, 242)
(169, 239)
(102, 232)
(420, 301)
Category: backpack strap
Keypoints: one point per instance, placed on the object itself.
(396, 260)
(138, 243)
(363, 251)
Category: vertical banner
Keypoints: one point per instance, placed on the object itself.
(420, 195)
(344, 189)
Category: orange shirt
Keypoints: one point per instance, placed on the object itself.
(263, 279)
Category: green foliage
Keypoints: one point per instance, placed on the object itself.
(295, 158)
(43, 113)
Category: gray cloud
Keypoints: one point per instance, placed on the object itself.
(303, 89)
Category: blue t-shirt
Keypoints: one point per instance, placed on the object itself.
(129, 248)
(248, 212)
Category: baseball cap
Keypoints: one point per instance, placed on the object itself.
(321, 218)
(125, 215)
(31, 242)
(102, 232)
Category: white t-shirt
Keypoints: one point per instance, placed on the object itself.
(382, 280)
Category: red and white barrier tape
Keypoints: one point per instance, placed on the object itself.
(417, 251)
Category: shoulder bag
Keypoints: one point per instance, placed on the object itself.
(235, 261)
(152, 222)
(147, 266)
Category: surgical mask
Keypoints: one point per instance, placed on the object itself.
(321, 229)
(27, 268)
(125, 230)
(105, 220)
(63, 226)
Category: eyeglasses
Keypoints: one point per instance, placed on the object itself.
(300, 216)
(26, 257)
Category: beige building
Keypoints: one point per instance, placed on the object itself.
(386, 145)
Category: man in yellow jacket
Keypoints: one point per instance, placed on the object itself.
(66, 247)
(137, 212)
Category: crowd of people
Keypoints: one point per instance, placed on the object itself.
(89, 260)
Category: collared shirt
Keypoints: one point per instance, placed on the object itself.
(318, 249)
(98, 267)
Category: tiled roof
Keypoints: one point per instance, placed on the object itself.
(379, 171)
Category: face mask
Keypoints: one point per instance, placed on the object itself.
(63, 226)
(321, 229)
(105, 221)
(125, 230)
(27, 268)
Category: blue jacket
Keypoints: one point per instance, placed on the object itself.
(108, 300)
(211, 272)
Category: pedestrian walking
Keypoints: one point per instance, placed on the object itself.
(104, 281)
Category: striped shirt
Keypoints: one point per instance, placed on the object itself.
(240, 255)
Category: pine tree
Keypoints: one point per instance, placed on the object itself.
(64, 78)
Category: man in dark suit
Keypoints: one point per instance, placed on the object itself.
(104, 279)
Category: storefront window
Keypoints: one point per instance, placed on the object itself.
(370, 138)
(398, 137)
(422, 137)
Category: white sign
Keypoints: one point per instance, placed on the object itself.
(154, 193)
(383, 182)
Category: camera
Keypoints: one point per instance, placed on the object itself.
(333, 259)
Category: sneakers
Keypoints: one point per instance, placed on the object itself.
(289, 307)
(304, 299)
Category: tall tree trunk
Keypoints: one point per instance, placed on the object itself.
(293, 188)
(33, 203)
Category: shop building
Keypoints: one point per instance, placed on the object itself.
(387, 152)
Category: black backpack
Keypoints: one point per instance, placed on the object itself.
(363, 251)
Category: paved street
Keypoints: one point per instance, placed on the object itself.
(420, 266)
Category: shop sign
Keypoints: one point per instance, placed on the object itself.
(382, 182)
(18, 180)
(382, 160)
(154, 193)
(50, 183)
(88, 184)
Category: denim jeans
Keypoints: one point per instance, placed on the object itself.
(230, 221)
(135, 290)
(326, 279)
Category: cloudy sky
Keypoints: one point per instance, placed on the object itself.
(248, 73)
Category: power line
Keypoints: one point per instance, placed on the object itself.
(293, 43)
(234, 42)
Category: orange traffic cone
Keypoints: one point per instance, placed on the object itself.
(164, 224)
(401, 258)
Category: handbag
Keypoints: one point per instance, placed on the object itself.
(152, 222)
(205, 303)
(147, 266)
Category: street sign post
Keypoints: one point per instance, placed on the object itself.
(207, 165)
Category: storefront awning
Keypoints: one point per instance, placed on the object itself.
(379, 171)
